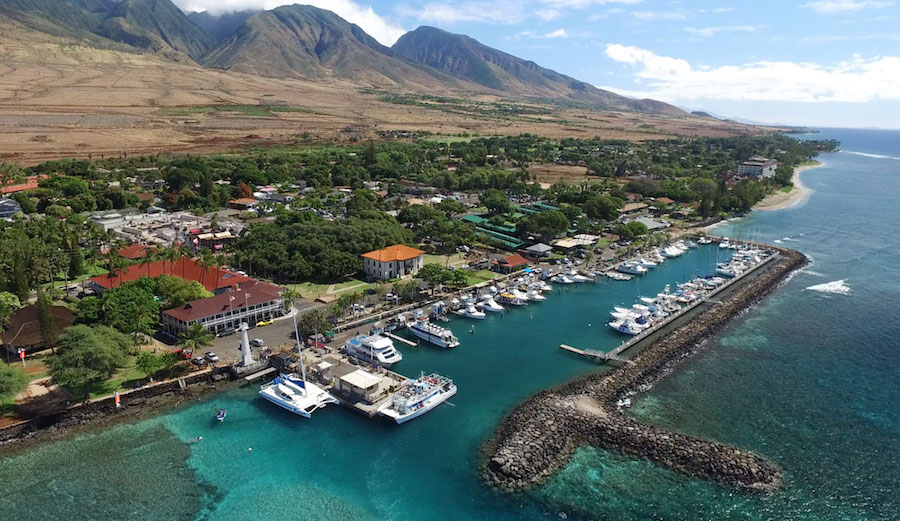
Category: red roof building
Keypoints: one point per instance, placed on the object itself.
(30, 184)
(210, 277)
(249, 302)
(510, 264)
(136, 251)
(393, 262)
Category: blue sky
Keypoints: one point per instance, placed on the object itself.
(811, 62)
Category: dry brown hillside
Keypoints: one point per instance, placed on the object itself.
(62, 99)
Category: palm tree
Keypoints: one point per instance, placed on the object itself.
(148, 259)
(289, 295)
(168, 255)
(204, 262)
(218, 261)
(195, 337)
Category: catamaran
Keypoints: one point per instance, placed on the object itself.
(416, 397)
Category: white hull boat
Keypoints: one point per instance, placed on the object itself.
(297, 396)
(416, 397)
(434, 334)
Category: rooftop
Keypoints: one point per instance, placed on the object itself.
(398, 252)
(23, 329)
(247, 294)
(210, 277)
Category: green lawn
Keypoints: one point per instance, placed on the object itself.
(128, 373)
(480, 276)
(456, 259)
(92, 271)
(787, 189)
(311, 290)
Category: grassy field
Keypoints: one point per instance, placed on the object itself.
(480, 276)
(457, 259)
(311, 290)
(128, 373)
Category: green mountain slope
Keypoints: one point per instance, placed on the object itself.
(155, 24)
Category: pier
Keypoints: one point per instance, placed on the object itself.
(401, 339)
(593, 354)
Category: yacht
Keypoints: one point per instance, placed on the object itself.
(626, 326)
(509, 298)
(416, 397)
(374, 350)
(725, 270)
(489, 304)
(562, 279)
(471, 311)
(632, 268)
(296, 395)
(433, 334)
(646, 263)
(724, 244)
(690, 244)
(705, 240)
(542, 285)
(576, 277)
(615, 275)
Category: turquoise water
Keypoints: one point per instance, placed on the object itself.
(808, 378)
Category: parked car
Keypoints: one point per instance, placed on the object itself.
(212, 357)
(265, 322)
(257, 342)
(184, 354)
(228, 332)
(199, 361)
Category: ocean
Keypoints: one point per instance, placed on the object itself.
(809, 378)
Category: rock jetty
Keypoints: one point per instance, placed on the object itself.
(539, 435)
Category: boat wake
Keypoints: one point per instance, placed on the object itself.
(838, 287)
(876, 156)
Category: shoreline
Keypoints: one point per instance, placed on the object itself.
(782, 200)
(539, 435)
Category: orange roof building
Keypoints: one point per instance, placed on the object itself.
(396, 261)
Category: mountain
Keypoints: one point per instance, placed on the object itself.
(466, 57)
(307, 42)
(219, 26)
(155, 24)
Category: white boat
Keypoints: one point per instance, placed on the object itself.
(562, 279)
(489, 304)
(542, 285)
(724, 244)
(433, 334)
(705, 240)
(690, 244)
(671, 252)
(576, 277)
(631, 268)
(416, 397)
(374, 349)
(626, 326)
(471, 312)
(649, 301)
(646, 263)
(519, 294)
(535, 295)
(725, 270)
(509, 298)
(615, 275)
(296, 395)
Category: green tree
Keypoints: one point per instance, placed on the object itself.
(495, 201)
(150, 363)
(195, 338)
(546, 224)
(46, 324)
(12, 381)
(132, 307)
(434, 275)
(313, 322)
(88, 355)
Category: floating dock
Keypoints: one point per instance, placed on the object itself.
(401, 339)
(259, 374)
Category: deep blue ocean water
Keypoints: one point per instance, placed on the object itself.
(809, 378)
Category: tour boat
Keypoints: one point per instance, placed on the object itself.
(626, 326)
(433, 334)
(471, 312)
(374, 349)
(416, 397)
(489, 304)
(296, 395)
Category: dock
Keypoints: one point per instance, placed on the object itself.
(401, 339)
(593, 354)
(259, 374)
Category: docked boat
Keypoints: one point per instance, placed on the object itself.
(509, 298)
(489, 304)
(631, 268)
(542, 285)
(471, 311)
(626, 326)
(724, 244)
(374, 350)
(725, 270)
(646, 263)
(576, 277)
(562, 279)
(416, 397)
(433, 334)
(296, 395)
(615, 275)
(690, 244)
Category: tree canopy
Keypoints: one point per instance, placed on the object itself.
(87, 355)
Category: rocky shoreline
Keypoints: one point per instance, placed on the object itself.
(539, 435)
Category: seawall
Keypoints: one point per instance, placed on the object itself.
(539, 435)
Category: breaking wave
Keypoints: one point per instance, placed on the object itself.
(839, 287)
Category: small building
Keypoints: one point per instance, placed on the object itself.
(665, 200)
(510, 264)
(652, 225)
(539, 250)
(244, 204)
(630, 208)
(23, 331)
(8, 208)
(759, 167)
(393, 262)
(357, 384)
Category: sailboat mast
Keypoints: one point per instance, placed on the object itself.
(299, 348)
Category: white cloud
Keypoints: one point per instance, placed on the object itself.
(559, 33)
(857, 80)
(706, 32)
(845, 6)
(503, 11)
(659, 15)
(362, 15)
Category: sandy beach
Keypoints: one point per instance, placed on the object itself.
(781, 200)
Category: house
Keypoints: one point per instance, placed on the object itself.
(248, 302)
(210, 277)
(8, 208)
(510, 264)
(23, 331)
(244, 204)
(759, 167)
(633, 208)
(539, 250)
(30, 183)
(356, 383)
(652, 224)
(393, 262)
(665, 200)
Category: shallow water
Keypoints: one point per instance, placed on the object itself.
(808, 378)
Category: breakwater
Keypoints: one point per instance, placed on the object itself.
(539, 435)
